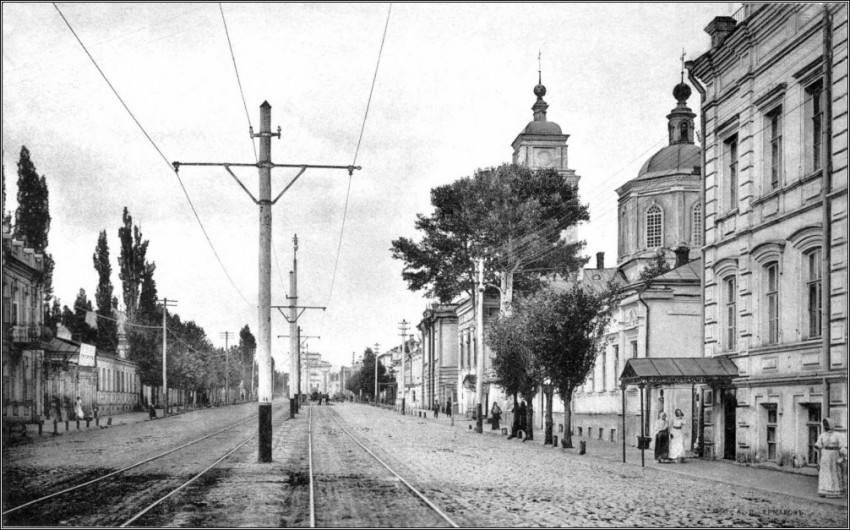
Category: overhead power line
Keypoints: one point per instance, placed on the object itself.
(170, 167)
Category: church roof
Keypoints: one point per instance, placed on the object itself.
(671, 160)
(542, 128)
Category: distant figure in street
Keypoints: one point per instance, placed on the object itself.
(523, 421)
(677, 439)
(152, 413)
(436, 408)
(662, 438)
(78, 409)
(448, 406)
(833, 457)
(496, 415)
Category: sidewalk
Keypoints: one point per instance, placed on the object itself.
(800, 483)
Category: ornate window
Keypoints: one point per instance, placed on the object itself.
(683, 132)
(696, 225)
(772, 298)
(814, 294)
(731, 167)
(774, 148)
(653, 226)
(814, 126)
(730, 314)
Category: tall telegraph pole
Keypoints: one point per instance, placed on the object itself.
(294, 344)
(479, 339)
(265, 203)
(377, 346)
(226, 335)
(404, 325)
(166, 303)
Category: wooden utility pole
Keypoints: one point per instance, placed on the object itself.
(404, 325)
(226, 335)
(166, 303)
(377, 346)
(265, 203)
(479, 339)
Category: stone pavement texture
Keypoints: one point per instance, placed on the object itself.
(799, 483)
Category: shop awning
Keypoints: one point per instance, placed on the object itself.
(678, 370)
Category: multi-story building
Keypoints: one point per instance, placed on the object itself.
(439, 354)
(775, 110)
(23, 354)
(467, 364)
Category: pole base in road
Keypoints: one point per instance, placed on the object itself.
(402, 406)
(265, 417)
(292, 406)
(479, 421)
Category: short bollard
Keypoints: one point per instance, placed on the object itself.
(40, 425)
(470, 427)
(504, 431)
(109, 420)
(78, 425)
(87, 423)
(55, 427)
(520, 434)
(97, 422)
(66, 425)
(582, 447)
(554, 441)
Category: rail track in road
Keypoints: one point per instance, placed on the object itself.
(121, 497)
(358, 483)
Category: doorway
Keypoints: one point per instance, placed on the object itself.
(730, 404)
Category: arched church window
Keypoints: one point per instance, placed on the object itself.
(696, 225)
(683, 132)
(653, 227)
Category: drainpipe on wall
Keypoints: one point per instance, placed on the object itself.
(826, 187)
(701, 90)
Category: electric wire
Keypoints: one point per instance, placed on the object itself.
(176, 174)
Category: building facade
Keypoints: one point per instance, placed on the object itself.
(439, 354)
(775, 111)
(467, 363)
(23, 354)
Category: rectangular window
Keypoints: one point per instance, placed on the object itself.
(604, 371)
(774, 130)
(616, 363)
(634, 349)
(814, 127)
(813, 428)
(772, 271)
(814, 294)
(732, 173)
(771, 433)
(731, 314)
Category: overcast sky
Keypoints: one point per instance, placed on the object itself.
(453, 90)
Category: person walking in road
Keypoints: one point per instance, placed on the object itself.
(436, 408)
(496, 416)
(449, 406)
(662, 438)
(677, 438)
(833, 456)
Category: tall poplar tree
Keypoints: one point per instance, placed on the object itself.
(107, 332)
(131, 262)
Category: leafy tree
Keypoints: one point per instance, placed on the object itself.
(510, 215)
(567, 333)
(364, 379)
(107, 332)
(145, 342)
(53, 317)
(7, 218)
(657, 267)
(76, 323)
(132, 262)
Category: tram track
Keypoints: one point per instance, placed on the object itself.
(385, 493)
(115, 498)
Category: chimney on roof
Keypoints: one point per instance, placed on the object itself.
(682, 255)
(719, 29)
(600, 260)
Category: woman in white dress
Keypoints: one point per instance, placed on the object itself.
(833, 453)
(78, 409)
(677, 438)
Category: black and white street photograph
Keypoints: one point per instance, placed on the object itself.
(435, 264)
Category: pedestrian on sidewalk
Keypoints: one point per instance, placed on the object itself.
(436, 408)
(449, 406)
(832, 464)
(677, 439)
(662, 438)
(522, 411)
(496, 415)
(78, 409)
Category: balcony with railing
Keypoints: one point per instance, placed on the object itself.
(26, 332)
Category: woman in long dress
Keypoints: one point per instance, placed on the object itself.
(78, 409)
(662, 438)
(833, 453)
(677, 439)
(496, 415)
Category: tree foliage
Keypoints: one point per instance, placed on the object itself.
(657, 267)
(510, 215)
(32, 217)
(107, 332)
(364, 379)
(75, 319)
(132, 262)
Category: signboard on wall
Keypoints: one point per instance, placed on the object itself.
(87, 354)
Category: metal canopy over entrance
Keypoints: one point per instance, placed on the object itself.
(670, 371)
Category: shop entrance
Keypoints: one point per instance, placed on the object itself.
(730, 404)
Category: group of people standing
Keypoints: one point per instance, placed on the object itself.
(669, 438)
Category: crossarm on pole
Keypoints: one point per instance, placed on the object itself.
(291, 182)
(242, 185)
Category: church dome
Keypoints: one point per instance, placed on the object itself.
(673, 159)
(542, 127)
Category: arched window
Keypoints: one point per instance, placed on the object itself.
(683, 132)
(696, 225)
(653, 227)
